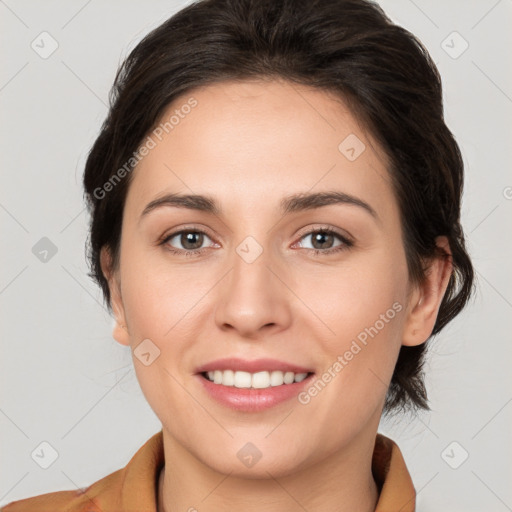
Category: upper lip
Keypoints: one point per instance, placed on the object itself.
(254, 366)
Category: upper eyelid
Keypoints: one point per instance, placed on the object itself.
(172, 234)
(329, 229)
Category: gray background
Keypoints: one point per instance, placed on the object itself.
(64, 380)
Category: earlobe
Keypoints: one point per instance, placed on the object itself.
(120, 330)
(427, 296)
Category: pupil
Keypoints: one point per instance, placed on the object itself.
(321, 238)
(189, 238)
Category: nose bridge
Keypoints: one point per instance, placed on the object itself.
(252, 297)
(251, 278)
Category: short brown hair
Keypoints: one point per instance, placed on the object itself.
(349, 47)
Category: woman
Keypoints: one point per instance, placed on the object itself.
(275, 203)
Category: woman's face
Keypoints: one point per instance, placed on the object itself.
(257, 298)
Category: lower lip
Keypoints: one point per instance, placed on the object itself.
(252, 400)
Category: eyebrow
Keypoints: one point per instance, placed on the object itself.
(289, 204)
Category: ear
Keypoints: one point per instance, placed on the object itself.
(426, 297)
(120, 331)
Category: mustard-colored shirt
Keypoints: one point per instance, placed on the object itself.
(134, 488)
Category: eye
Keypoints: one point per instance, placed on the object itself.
(323, 241)
(191, 241)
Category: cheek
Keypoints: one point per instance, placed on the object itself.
(157, 296)
(364, 310)
(357, 295)
(160, 307)
(363, 350)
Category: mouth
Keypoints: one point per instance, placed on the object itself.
(259, 380)
(251, 386)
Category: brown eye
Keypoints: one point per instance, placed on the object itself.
(186, 241)
(191, 239)
(324, 241)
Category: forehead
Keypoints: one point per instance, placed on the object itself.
(249, 143)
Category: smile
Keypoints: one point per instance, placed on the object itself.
(258, 380)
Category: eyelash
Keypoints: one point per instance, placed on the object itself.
(346, 243)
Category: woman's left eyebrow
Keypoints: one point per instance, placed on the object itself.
(310, 201)
(289, 204)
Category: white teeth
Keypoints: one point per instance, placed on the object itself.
(276, 379)
(228, 378)
(299, 377)
(242, 380)
(259, 380)
(289, 377)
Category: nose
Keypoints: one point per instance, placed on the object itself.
(254, 299)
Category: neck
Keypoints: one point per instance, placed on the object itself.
(342, 482)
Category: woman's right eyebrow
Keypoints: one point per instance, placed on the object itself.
(289, 204)
(190, 201)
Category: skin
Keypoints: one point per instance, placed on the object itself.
(248, 145)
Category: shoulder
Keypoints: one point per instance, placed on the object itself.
(54, 501)
(129, 488)
(82, 500)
